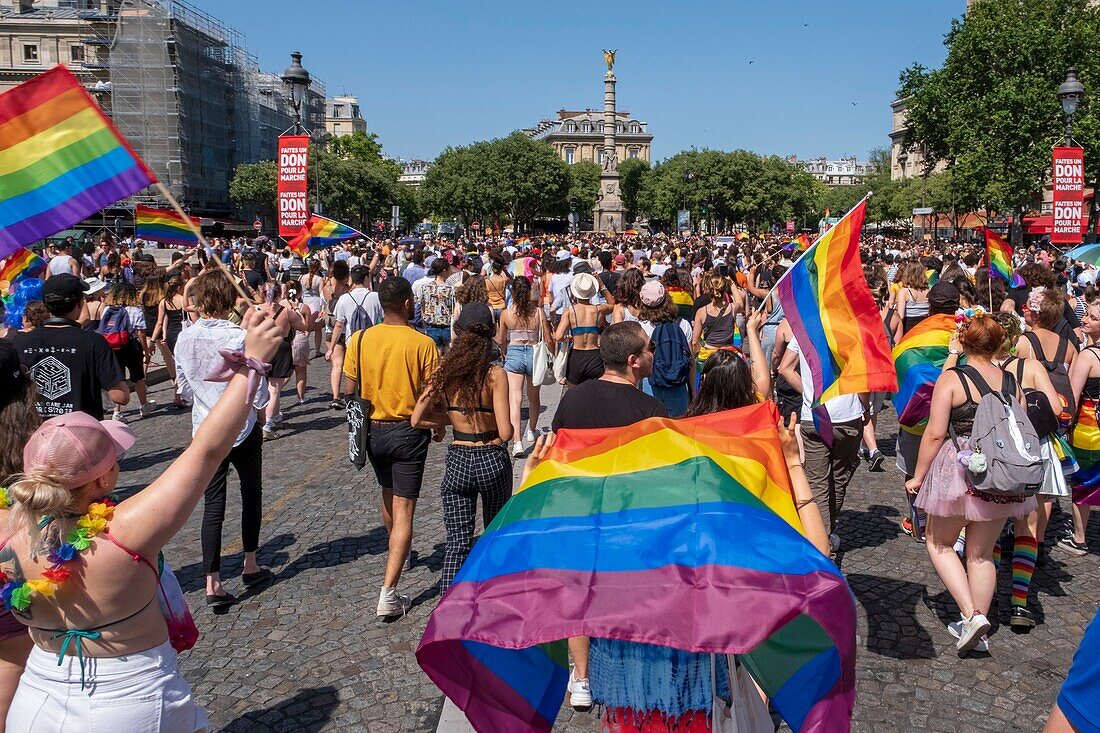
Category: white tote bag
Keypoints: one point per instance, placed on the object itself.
(543, 366)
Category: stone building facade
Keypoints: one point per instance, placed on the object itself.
(578, 136)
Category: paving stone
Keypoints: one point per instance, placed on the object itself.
(305, 653)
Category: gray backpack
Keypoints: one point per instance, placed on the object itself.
(1005, 437)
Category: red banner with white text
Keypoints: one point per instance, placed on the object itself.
(293, 203)
(1069, 195)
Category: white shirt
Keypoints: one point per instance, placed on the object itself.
(196, 356)
(358, 297)
(60, 265)
(650, 327)
(843, 408)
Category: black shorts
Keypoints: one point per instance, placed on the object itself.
(583, 365)
(131, 360)
(397, 455)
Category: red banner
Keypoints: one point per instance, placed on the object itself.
(1069, 195)
(292, 198)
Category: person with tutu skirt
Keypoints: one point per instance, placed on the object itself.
(945, 493)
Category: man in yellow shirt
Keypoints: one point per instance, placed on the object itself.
(390, 364)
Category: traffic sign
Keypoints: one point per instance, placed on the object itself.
(257, 225)
(923, 211)
(475, 225)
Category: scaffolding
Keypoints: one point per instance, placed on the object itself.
(191, 98)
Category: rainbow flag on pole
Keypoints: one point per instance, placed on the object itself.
(321, 232)
(21, 264)
(919, 358)
(677, 531)
(834, 317)
(61, 159)
(998, 254)
(164, 225)
(801, 243)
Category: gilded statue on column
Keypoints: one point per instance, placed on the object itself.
(609, 58)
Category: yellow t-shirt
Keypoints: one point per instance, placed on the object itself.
(397, 363)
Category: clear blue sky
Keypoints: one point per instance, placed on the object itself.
(430, 73)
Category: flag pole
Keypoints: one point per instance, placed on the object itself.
(166, 193)
(806, 252)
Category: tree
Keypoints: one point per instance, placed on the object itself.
(254, 185)
(460, 184)
(632, 173)
(584, 185)
(991, 114)
(531, 179)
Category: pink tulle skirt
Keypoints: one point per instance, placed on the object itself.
(944, 492)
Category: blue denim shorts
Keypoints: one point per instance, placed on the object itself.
(440, 334)
(519, 359)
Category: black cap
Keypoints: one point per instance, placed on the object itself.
(61, 292)
(943, 298)
(582, 266)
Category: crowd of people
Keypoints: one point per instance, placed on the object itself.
(425, 335)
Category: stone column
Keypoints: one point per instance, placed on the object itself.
(608, 213)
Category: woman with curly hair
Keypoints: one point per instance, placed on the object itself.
(472, 306)
(18, 420)
(627, 298)
(470, 393)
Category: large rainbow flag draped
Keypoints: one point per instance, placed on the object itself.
(998, 254)
(1085, 439)
(164, 225)
(834, 317)
(524, 267)
(61, 159)
(319, 231)
(919, 358)
(22, 263)
(666, 532)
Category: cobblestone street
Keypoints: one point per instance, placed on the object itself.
(306, 652)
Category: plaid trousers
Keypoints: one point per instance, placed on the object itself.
(471, 470)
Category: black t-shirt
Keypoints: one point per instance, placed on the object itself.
(610, 280)
(598, 403)
(70, 367)
(255, 278)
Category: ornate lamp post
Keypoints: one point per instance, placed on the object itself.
(297, 82)
(1069, 94)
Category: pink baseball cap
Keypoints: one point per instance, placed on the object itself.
(652, 293)
(77, 447)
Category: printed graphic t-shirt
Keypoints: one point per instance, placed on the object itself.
(70, 366)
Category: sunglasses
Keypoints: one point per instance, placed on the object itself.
(652, 347)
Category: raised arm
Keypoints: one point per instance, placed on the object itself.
(150, 518)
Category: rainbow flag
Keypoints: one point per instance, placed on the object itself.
(677, 530)
(164, 225)
(1085, 440)
(524, 267)
(21, 264)
(833, 315)
(919, 358)
(685, 304)
(321, 232)
(61, 159)
(998, 254)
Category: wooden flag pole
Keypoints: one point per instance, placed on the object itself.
(166, 193)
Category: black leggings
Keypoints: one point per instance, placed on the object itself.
(247, 458)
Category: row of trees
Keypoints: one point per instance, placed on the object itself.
(990, 115)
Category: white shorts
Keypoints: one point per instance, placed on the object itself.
(136, 692)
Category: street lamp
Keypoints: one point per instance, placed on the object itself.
(689, 176)
(297, 82)
(1069, 94)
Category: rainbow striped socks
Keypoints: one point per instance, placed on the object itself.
(1023, 567)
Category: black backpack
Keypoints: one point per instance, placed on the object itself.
(359, 319)
(1059, 375)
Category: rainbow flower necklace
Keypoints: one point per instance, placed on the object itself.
(17, 595)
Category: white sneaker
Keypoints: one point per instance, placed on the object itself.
(971, 631)
(580, 693)
(834, 542)
(117, 416)
(391, 603)
(955, 629)
(147, 409)
(517, 448)
(528, 436)
(277, 419)
(269, 431)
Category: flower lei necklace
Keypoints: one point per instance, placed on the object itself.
(17, 596)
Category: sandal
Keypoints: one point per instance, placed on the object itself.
(220, 601)
(261, 575)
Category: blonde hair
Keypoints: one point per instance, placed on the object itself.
(37, 493)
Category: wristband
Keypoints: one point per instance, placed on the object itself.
(234, 362)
